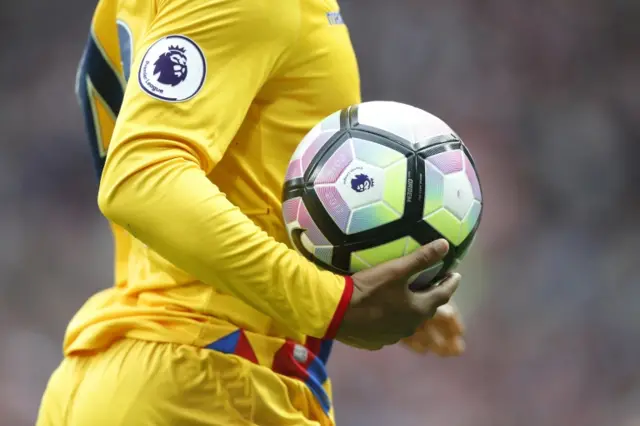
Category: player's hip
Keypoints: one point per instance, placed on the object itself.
(141, 382)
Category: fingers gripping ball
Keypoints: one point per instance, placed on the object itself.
(375, 181)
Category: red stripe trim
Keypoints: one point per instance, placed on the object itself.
(341, 310)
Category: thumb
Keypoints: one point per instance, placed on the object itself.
(421, 259)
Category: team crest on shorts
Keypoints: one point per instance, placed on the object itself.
(173, 69)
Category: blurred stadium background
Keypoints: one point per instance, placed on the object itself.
(547, 96)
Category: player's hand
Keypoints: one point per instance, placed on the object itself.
(442, 334)
(383, 310)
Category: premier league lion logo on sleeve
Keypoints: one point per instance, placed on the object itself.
(171, 66)
(173, 69)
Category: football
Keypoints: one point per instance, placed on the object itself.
(375, 181)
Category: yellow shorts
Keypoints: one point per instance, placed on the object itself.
(136, 382)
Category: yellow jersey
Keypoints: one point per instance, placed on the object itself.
(193, 111)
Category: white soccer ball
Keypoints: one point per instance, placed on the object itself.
(375, 181)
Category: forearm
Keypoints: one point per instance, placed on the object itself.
(159, 194)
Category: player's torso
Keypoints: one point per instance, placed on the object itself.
(320, 78)
(317, 77)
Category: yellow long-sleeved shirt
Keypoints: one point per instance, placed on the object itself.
(218, 95)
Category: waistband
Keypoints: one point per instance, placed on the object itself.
(303, 362)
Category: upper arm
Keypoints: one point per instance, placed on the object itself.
(197, 70)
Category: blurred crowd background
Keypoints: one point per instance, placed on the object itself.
(547, 96)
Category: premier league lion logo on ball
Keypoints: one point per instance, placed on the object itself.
(171, 66)
(361, 183)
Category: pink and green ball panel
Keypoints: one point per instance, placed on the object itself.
(334, 205)
(447, 225)
(335, 165)
(295, 210)
(307, 150)
(455, 161)
(294, 171)
(395, 186)
(375, 154)
(312, 231)
(434, 189)
(452, 228)
(471, 219)
(473, 178)
(448, 161)
(435, 212)
(315, 147)
(371, 216)
(363, 259)
(290, 209)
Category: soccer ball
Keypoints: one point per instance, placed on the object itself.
(373, 182)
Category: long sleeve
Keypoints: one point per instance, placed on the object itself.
(157, 192)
